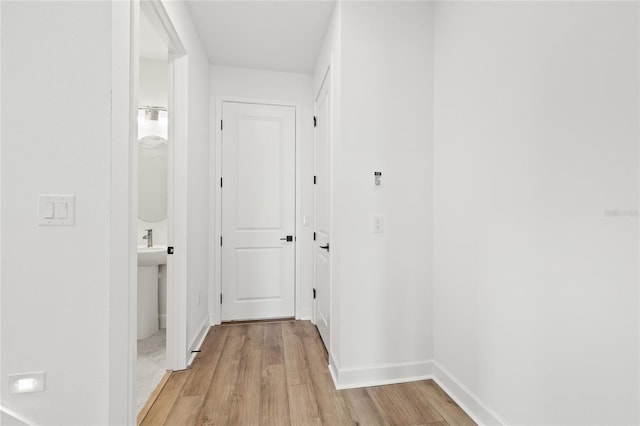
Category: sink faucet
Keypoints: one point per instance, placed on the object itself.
(149, 237)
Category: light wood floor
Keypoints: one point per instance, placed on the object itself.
(276, 374)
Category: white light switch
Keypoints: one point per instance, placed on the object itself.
(378, 224)
(63, 210)
(49, 210)
(56, 210)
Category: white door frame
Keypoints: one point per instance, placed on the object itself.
(123, 201)
(216, 232)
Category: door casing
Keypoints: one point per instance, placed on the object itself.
(215, 232)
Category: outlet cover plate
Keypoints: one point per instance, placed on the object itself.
(378, 224)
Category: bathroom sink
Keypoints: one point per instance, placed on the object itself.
(150, 256)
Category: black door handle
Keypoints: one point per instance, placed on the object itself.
(325, 247)
(287, 238)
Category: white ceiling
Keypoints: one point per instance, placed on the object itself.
(273, 35)
(151, 45)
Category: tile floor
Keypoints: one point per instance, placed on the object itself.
(150, 366)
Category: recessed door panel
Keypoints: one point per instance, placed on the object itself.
(259, 273)
(260, 173)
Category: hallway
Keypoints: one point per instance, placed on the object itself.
(276, 374)
(466, 210)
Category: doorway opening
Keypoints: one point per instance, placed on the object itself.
(159, 179)
(152, 217)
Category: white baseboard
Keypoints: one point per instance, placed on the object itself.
(467, 400)
(303, 314)
(333, 369)
(213, 319)
(197, 341)
(382, 374)
(162, 320)
(391, 373)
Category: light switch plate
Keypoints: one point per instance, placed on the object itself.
(56, 210)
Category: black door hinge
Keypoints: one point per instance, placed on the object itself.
(170, 250)
(221, 298)
(220, 182)
(314, 236)
(315, 180)
(315, 121)
(314, 293)
(220, 124)
(220, 241)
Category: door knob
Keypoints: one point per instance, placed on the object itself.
(325, 247)
(287, 238)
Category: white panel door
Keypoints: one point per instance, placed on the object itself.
(258, 211)
(321, 249)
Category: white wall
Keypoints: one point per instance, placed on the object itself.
(154, 82)
(198, 217)
(536, 287)
(276, 86)
(384, 280)
(56, 137)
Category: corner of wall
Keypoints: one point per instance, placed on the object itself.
(467, 400)
(196, 342)
(304, 314)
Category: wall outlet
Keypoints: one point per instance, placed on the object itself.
(378, 224)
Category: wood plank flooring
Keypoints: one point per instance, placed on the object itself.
(276, 374)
